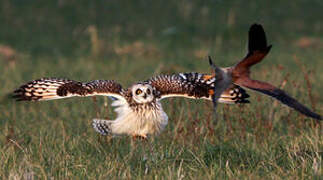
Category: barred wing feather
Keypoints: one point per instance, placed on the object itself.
(55, 88)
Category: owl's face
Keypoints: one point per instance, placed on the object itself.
(142, 93)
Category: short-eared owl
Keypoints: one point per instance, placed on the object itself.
(139, 112)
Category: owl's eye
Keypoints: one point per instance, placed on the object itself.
(148, 91)
(138, 91)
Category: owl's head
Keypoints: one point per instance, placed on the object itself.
(142, 93)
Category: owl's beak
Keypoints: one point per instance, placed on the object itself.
(145, 96)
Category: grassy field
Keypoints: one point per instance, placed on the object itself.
(132, 41)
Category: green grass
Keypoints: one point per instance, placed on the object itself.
(261, 140)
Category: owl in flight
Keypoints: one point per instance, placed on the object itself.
(138, 108)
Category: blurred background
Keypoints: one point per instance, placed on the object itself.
(86, 40)
(73, 28)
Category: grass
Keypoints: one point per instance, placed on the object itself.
(261, 140)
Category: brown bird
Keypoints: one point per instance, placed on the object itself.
(240, 73)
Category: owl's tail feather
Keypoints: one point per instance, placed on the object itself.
(258, 49)
(102, 126)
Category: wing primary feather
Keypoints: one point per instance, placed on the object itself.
(55, 88)
(281, 96)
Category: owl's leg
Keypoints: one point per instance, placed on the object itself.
(139, 137)
(102, 126)
(145, 155)
(136, 140)
(143, 140)
(146, 144)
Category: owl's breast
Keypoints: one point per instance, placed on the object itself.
(151, 119)
(141, 120)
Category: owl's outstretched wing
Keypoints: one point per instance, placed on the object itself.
(196, 86)
(55, 88)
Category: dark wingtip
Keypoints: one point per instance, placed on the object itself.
(315, 116)
(283, 97)
(16, 94)
(269, 48)
(216, 69)
(245, 101)
(17, 97)
(257, 38)
(210, 61)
